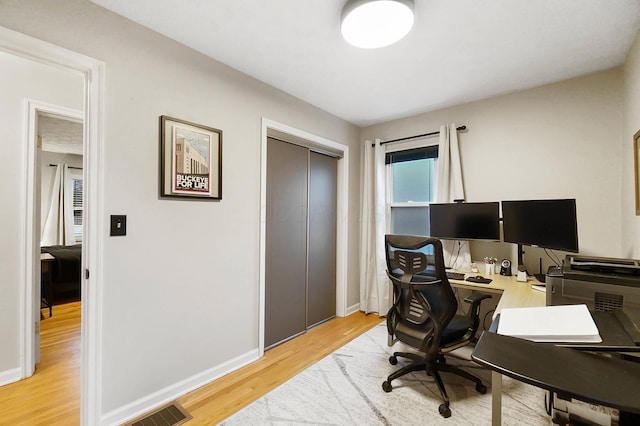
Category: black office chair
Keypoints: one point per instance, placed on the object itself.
(423, 314)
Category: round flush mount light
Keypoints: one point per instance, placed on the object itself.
(376, 23)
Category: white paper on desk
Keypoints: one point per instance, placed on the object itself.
(566, 323)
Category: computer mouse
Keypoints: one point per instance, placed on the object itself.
(480, 277)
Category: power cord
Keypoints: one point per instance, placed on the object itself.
(484, 320)
(460, 245)
(555, 259)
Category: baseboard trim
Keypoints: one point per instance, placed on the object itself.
(353, 308)
(10, 376)
(170, 393)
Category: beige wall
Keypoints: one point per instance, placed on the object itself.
(557, 141)
(180, 291)
(630, 222)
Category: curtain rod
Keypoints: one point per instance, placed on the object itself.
(71, 167)
(459, 128)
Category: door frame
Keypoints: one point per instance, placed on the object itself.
(319, 144)
(92, 70)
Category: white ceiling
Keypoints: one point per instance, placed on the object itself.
(458, 50)
(60, 135)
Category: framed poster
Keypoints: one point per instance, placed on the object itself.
(190, 160)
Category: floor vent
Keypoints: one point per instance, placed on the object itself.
(169, 415)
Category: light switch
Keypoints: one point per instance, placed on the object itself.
(118, 225)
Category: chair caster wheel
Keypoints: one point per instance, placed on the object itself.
(386, 386)
(444, 410)
(481, 388)
(393, 360)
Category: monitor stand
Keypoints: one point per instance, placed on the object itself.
(521, 266)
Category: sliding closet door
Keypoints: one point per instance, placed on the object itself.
(300, 275)
(321, 270)
(286, 241)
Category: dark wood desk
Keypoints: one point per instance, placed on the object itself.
(571, 373)
(46, 270)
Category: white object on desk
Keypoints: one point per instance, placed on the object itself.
(539, 287)
(489, 268)
(566, 323)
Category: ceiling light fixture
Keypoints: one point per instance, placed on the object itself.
(376, 23)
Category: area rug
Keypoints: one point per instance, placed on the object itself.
(345, 388)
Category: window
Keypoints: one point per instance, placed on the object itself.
(76, 186)
(410, 183)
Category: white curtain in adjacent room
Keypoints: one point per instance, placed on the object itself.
(58, 227)
(450, 188)
(374, 284)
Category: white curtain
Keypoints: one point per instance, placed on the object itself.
(450, 188)
(58, 227)
(374, 284)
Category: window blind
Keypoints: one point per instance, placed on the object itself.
(422, 153)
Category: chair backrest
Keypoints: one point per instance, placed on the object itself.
(419, 260)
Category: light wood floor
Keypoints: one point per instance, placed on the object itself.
(51, 396)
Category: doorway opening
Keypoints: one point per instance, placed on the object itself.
(91, 73)
(59, 205)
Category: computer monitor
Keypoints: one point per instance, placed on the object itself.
(465, 221)
(549, 224)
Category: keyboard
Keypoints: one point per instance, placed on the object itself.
(455, 275)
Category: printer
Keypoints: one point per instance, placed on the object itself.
(602, 283)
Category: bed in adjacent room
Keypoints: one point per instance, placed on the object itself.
(65, 276)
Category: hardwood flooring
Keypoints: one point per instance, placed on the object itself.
(52, 395)
(218, 400)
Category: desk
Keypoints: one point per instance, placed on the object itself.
(46, 270)
(575, 374)
(572, 373)
(513, 293)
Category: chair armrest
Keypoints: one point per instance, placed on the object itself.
(476, 297)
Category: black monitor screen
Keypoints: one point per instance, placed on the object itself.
(542, 223)
(465, 221)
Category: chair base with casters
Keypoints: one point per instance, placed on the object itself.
(433, 369)
(424, 313)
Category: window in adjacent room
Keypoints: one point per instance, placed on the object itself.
(76, 185)
(411, 185)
